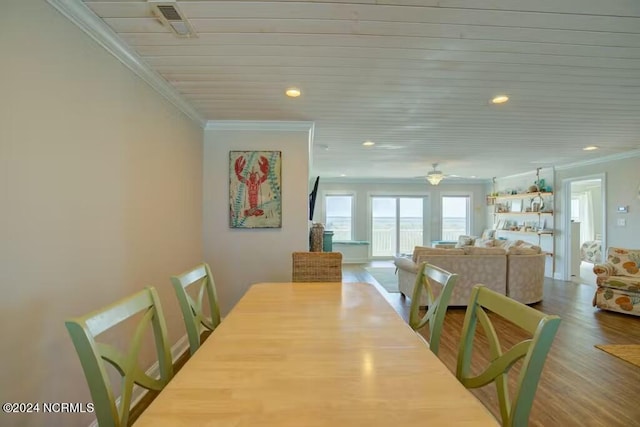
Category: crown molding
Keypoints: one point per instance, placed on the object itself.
(403, 181)
(78, 13)
(527, 173)
(266, 125)
(609, 158)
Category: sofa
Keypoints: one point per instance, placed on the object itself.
(512, 268)
(618, 281)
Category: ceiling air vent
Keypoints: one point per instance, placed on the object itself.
(169, 15)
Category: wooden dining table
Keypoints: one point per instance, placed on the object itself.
(314, 354)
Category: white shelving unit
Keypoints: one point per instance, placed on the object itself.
(527, 216)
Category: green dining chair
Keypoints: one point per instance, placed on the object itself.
(93, 354)
(436, 306)
(197, 323)
(514, 407)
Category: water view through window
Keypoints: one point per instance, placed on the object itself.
(339, 216)
(455, 217)
(396, 225)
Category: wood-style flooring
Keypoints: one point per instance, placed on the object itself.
(580, 385)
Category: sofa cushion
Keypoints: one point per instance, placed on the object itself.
(520, 250)
(417, 249)
(625, 261)
(631, 284)
(618, 300)
(475, 250)
(423, 250)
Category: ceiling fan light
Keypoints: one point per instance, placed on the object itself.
(435, 176)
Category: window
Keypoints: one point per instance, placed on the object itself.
(339, 216)
(396, 225)
(455, 217)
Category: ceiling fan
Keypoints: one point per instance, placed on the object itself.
(435, 176)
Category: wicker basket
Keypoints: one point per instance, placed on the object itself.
(317, 267)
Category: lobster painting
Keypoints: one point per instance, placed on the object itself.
(253, 183)
(254, 196)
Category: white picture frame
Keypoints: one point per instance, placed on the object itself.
(516, 206)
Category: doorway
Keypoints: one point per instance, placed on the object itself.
(397, 225)
(585, 223)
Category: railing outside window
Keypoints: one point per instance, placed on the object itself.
(384, 241)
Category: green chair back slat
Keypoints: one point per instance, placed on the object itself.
(514, 408)
(93, 355)
(437, 307)
(192, 311)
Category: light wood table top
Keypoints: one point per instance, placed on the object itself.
(314, 354)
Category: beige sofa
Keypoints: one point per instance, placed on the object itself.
(512, 268)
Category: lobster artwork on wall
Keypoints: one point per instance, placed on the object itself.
(255, 198)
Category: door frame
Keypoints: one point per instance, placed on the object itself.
(426, 215)
(565, 237)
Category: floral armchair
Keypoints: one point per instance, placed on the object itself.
(619, 281)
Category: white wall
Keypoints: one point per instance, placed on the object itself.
(363, 190)
(241, 257)
(100, 195)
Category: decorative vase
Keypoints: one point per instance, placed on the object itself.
(316, 237)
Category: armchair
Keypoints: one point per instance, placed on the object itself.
(618, 281)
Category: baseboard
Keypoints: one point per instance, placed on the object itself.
(177, 350)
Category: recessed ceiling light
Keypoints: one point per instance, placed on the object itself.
(368, 143)
(500, 99)
(343, 174)
(293, 92)
(590, 148)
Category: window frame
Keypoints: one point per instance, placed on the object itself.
(469, 210)
(350, 194)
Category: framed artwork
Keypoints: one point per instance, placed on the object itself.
(516, 206)
(255, 195)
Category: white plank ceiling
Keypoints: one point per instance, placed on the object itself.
(414, 76)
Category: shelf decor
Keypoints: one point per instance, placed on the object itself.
(255, 198)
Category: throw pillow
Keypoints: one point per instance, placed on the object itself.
(465, 241)
(488, 234)
(484, 243)
(625, 261)
(530, 246)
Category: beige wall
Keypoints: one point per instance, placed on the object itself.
(241, 257)
(100, 195)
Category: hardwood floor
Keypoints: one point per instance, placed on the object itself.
(580, 385)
